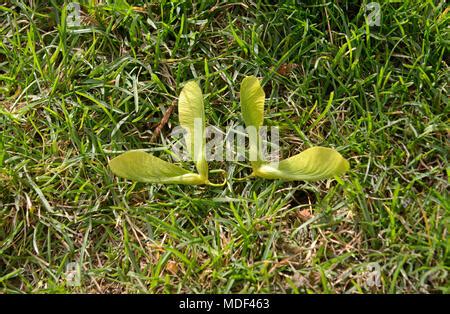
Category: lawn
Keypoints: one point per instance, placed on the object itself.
(72, 97)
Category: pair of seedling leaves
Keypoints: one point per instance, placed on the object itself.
(313, 164)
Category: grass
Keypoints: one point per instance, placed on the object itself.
(72, 99)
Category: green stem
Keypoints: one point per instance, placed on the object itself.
(217, 184)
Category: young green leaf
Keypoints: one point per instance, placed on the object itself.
(313, 164)
(138, 165)
(192, 119)
(316, 163)
(252, 101)
(252, 98)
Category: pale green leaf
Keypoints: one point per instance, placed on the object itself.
(252, 102)
(140, 166)
(192, 119)
(313, 164)
(252, 106)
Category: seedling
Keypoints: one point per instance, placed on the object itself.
(313, 164)
(138, 165)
